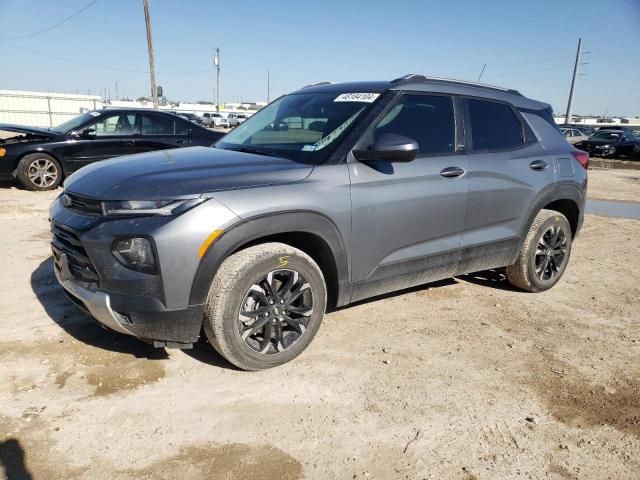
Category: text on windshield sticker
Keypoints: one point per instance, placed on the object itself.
(357, 97)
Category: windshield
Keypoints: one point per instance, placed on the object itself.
(612, 136)
(298, 126)
(75, 122)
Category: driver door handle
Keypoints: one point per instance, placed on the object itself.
(451, 172)
(538, 165)
(186, 141)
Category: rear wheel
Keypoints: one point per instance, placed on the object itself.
(544, 255)
(39, 171)
(265, 305)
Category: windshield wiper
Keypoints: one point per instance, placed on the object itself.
(256, 151)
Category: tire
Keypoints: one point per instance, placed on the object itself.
(234, 290)
(39, 172)
(541, 264)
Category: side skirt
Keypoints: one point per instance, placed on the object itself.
(488, 255)
(406, 274)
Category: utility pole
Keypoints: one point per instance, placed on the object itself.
(216, 62)
(268, 86)
(152, 66)
(573, 82)
(116, 90)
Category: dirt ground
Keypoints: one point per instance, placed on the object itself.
(615, 184)
(462, 379)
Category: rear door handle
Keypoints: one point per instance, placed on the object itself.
(451, 172)
(538, 165)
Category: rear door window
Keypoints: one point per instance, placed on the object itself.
(158, 124)
(427, 119)
(494, 126)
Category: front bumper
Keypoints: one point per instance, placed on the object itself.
(153, 307)
(95, 303)
(162, 328)
(600, 151)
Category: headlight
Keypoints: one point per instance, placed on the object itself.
(150, 207)
(135, 253)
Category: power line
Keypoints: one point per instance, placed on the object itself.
(521, 64)
(33, 34)
(533, 62)
(530, 71)
(102, 67)
(564, 77)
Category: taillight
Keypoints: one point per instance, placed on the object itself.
(581, 157)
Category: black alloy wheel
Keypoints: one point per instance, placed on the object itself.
(275, 312)
(551, 252)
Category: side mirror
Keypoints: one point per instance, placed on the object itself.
(393, 148)
(88, 133)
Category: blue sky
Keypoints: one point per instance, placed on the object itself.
(529, 46)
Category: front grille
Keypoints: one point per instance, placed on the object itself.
(66, 242)
(82, 203)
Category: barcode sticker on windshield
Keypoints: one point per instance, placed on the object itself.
(357, 97)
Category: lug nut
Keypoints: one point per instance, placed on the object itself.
(281, 301)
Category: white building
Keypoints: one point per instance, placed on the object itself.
(598, 121)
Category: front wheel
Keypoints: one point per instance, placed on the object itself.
(39, 171)
(265, 305)
(544, 255)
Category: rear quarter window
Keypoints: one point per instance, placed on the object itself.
(494, 126)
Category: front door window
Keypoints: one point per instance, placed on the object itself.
(115, 125)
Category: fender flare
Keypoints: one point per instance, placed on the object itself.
(254, 228)
(559, 191)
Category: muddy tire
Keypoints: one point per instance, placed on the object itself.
(39, 172)
(544, 255)
(265, 305)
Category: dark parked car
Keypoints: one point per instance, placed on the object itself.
(41, 158)
(611, 143)
(632, 131)
(371, 187)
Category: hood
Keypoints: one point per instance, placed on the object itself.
(41, 132)
(181, 172)
(596, 142)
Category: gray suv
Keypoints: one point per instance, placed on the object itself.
(329, 195)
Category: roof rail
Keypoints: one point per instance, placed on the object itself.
(412, 77)
(317, 83)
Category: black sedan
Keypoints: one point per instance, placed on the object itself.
(41, 158)
(611, 143)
